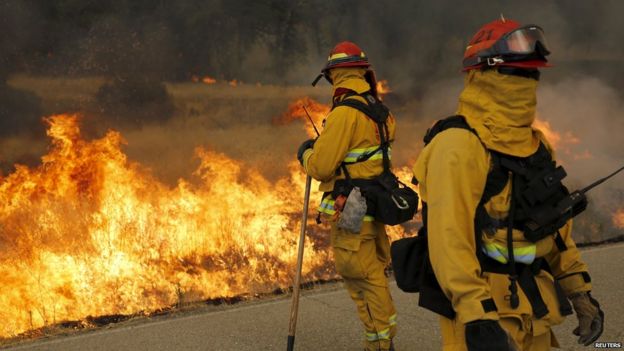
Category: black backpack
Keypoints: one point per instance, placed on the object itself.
(388, 199)
(537, 190)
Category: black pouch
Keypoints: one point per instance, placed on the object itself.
(394, 202)
(413, 273)
(408, 262)
(388, 200)
(342, 187)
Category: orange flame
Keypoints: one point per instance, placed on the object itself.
(383, 88)
(233, 83)
(296, 110)
(564, 143)
(553, 137)
(90, 233)
(208, 80)
(618, 218)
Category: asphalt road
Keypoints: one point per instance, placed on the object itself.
(327, 321)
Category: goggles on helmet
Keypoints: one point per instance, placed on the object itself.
(517, 45)
(521, 41)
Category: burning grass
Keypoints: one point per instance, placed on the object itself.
(90, 233)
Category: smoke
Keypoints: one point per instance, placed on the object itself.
(413, 44)
(133, 101)
(587, 113)
(127, 65)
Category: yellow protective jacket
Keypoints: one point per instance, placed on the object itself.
(452, 172)
(347, 133)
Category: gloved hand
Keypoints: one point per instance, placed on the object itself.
(487, 335)
(590, 317)
(308, 144)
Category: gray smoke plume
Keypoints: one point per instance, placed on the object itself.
(128, 65)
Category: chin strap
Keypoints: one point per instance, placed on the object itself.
(317, 79)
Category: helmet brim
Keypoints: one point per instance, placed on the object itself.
(348, 64)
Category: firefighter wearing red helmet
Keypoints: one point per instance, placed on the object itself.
(487, 177)
(349, 145)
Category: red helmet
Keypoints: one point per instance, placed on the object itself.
(506, 43)
(344, 54)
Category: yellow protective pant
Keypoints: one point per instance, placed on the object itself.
(453, 337)
(528, 332)
(361, 260)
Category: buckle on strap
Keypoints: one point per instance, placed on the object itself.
(493, 61)
(403, 205)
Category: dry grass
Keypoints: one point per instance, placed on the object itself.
(232, 120)
(237, 121)
(58, 94)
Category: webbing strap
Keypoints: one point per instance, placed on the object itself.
(379, 115)
(489, 305)
(561, 245)
(514, 300)
(529, 286)
(564, 304)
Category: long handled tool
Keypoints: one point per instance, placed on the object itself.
(294, 308)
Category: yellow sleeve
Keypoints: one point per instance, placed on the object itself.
(332, 145)
(456, 173)
(567, 266)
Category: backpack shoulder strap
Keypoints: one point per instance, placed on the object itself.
(496, 178)
(373, 108)
(456, 121)
(376, 111)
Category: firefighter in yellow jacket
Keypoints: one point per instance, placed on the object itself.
(360, 257)
(505, 294)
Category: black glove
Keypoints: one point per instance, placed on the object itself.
(308, 144)
(486, 335)
(590, 317)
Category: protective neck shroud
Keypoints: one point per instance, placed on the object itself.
(349, 78)
(501, 109)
